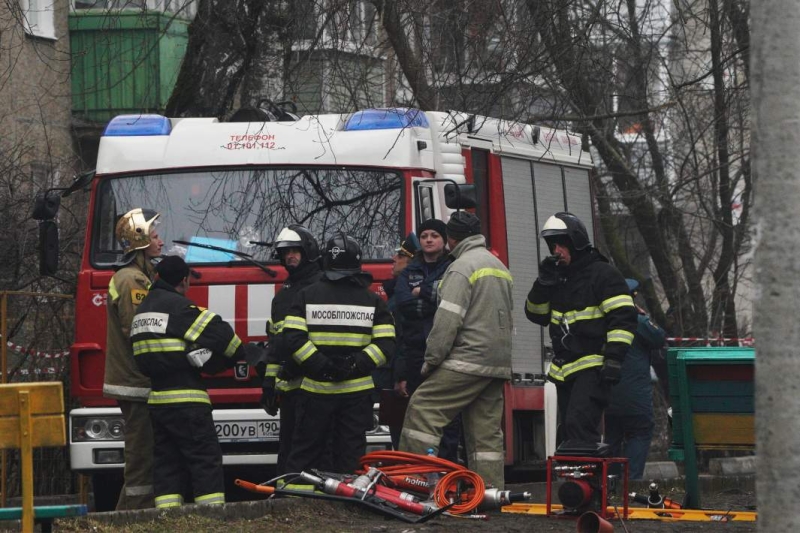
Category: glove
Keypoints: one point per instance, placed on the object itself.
(611, 372)
(198, 357)
(362, 365)
(548, 271)
(426, 370)
(344, 368)
(288, 372)
(269, 399)
(255, 355)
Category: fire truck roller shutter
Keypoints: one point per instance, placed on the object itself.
(549, 187)
(522, 261)
(579, 197)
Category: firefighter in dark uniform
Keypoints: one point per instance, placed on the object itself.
(338, 331)
(173, 341)
(298, 252)
(586, 304)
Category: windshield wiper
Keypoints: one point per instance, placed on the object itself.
(246, 257)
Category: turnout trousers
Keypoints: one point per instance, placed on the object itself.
(288, 412)
(581, 401)
(137, 490)
(340, 421)
(436, 403)
(186, 450)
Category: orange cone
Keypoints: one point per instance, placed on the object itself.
(590, 522)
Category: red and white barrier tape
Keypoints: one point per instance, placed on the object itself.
(30, 351)
(744, 341)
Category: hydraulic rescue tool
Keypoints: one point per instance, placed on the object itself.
(371, 501)
(403, 494)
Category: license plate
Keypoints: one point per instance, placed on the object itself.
(248, 430)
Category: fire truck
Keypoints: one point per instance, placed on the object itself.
(225, 189)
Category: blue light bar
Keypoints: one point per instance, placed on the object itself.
(386, 119)
(137, 125)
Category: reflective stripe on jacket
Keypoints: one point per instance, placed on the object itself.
(472, 328)
(166, 327)
(333, 319)
(279, 356)
(590, 315)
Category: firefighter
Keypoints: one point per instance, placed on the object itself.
(136, 232)
(338, 331)
(467, 354)
(173, 341)
(298, 252)
(589, 310)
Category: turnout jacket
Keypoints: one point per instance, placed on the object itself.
(278, 355)
(128, 288)
(417, 311)
(166, 327)
(332, 321)
(590, 313)
(472, 328)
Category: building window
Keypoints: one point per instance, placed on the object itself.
(39, 19)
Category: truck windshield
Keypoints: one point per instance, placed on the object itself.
(230, 208)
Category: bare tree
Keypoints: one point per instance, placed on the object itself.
(36, 154)
(660, 90)
(680, 195)
(233, 46)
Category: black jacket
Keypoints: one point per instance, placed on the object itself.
(590, 313)
(167, 326)
(278, 355)
(333, 323)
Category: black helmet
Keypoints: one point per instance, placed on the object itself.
(297, 236)
(342, 256)
(566, 225)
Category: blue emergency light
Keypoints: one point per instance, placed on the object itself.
(137, 125)
(386, 119)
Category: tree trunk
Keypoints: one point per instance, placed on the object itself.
(390, 13)
(223, 41)
(264, 78)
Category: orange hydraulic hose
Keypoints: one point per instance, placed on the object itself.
(397, 463)
(252, 487)
(447, 489)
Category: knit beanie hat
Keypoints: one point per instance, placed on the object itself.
(436, 225)
(463, 225)
(172, 269)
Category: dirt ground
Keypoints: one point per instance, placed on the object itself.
(315, 516)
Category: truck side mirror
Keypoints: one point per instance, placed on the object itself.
(460, 196)
(45, 209)
(48, 248)
(46, 204)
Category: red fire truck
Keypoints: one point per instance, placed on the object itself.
(225, 189)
